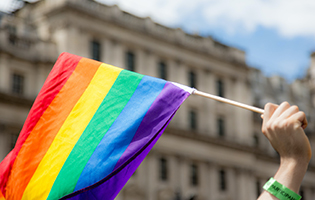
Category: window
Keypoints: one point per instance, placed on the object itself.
(130, 61)
(12, 34)
(220, 127)
(162, 70)
(258, 190)
(96, 50)
(193, 120)
(220, 88)
(17, 83)
(163, 169)
(222, 179)
(194, 175)
(192, 79)
(256, 140)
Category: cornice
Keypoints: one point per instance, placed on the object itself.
(32, 50)
(194, 136)
(112, 14)
(19, 101)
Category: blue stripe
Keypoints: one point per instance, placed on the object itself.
(120, 134)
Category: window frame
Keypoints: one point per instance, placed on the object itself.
(163, 169)
(162, 66)
(96, 54)
(17, 83)
(130, 58)
(220, 87)
(193, 121)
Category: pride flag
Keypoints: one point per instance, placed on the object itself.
(1, 196)
(90, 127)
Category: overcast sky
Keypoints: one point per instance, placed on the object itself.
(277, 35)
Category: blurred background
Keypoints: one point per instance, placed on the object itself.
(253, 52)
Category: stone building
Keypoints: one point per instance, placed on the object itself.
(209, 151)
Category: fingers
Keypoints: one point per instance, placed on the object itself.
(289, 112)
(276, 113)
(269, 110)
(299, 120)
(282, 108)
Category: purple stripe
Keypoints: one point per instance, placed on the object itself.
(172, 99)
(149, 131)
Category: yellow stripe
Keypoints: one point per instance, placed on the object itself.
(70, 132)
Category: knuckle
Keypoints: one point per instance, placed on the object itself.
(302, 113)
(274, 126)
(285, 103)
(269, 126)
(268, 105)
(295, 108)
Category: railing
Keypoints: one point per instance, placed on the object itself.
(27, 48)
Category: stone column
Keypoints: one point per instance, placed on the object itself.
(204, 181)
(151, 63)
(4, 74)
(118, 55)
(214, 182)
(106, 50)
(205, 112)
(178, 74)
(245, 185)
(152, 177)
(244, 120)
(140, 61)
(231, 183)
(172, 70)
(41, 77)
(184, 172)
(173, 172)
(30, 80)
(4, 141)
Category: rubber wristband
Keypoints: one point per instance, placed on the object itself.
(280, 191)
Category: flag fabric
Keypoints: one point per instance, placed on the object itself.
(1, 196)
(88, 130)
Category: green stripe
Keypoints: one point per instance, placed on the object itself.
(112, 105)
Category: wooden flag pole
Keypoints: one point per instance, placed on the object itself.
(224, 100)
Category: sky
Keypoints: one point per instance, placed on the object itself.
(278, 36)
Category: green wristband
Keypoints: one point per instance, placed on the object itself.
(280, 191)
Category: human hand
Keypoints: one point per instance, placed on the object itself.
(283, 126)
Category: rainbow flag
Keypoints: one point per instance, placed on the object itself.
(89, 129)
(1, 196)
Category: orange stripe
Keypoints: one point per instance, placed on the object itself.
(1, 196)
(43, 134)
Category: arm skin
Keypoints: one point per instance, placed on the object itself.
(284, 127)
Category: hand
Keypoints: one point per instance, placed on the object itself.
(283, 126)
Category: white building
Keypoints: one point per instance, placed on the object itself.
(210, 150)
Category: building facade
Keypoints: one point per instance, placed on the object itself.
(210, 150)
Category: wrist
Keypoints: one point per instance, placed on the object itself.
(280, 191)
(291, 173)
(294, 164)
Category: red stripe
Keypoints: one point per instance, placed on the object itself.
(53, 84)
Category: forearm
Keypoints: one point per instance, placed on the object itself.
(290, 174)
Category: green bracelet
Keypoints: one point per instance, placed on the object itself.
(280, 191)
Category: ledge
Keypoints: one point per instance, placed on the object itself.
(19, 101)
(177, 37)
(260, 154)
